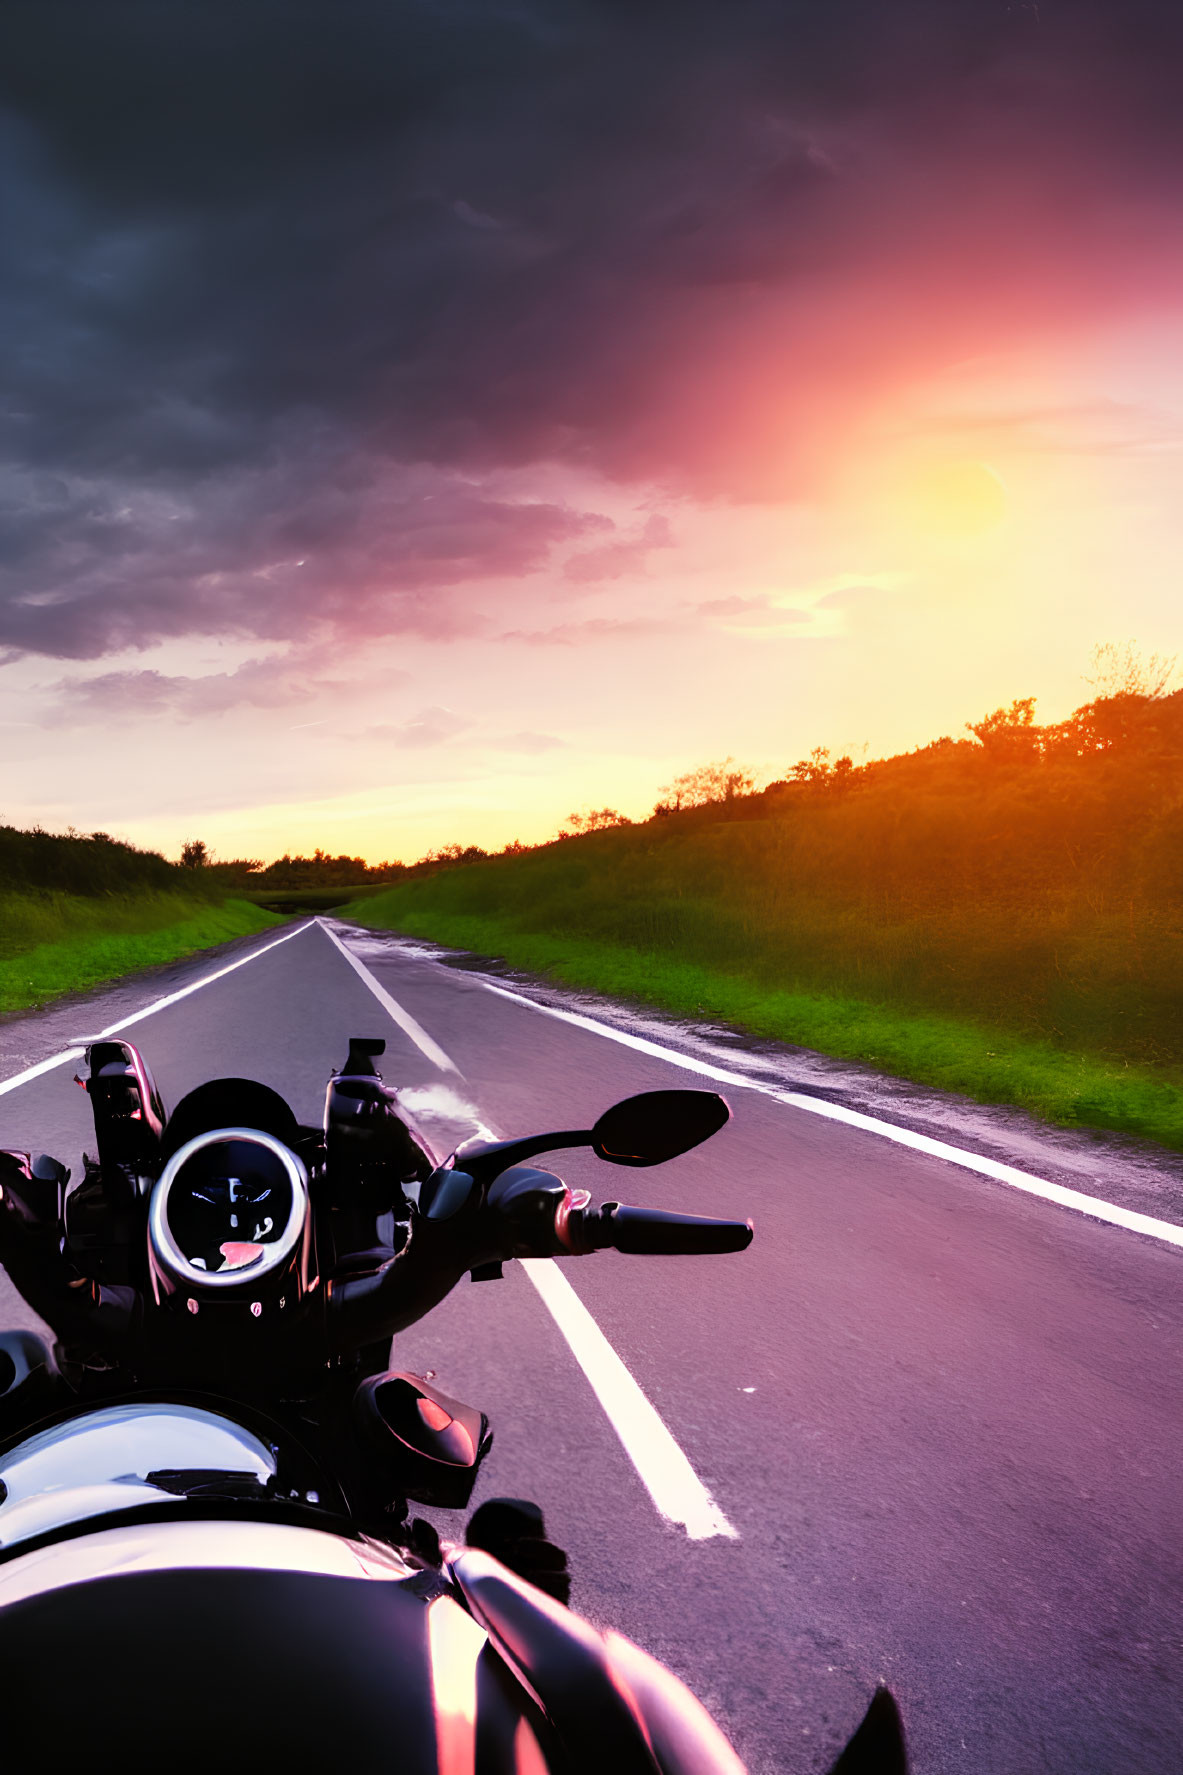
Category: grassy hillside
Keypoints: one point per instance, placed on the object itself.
(75, 912)
(1000, 918)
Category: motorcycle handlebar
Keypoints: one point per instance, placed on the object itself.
(653, 1232)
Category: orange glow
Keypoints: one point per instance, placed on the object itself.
(953, 499)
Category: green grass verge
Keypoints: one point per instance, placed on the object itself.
(954, 1053)
(53, 944)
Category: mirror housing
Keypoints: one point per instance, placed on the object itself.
(642, 1130)
(657, 1125)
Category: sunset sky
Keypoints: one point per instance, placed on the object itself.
(418, 421)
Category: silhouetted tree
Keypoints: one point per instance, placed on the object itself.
(722, 781)
(455, 853)
(1009, 735)
(1120, 670)
(814, 770)
(596, 820)
(321, 870)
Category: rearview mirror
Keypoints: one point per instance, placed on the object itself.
(657, 1125)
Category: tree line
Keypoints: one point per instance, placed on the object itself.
(1132, 715)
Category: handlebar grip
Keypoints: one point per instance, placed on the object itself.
(655, 1233)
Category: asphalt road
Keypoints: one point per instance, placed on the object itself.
(942, 1416)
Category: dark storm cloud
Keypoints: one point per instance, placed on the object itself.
(271, 550)
(281, 275)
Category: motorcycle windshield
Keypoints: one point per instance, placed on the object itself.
(118, 1457)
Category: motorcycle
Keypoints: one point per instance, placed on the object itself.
(206, 1545)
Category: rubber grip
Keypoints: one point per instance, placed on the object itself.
(655, 1233)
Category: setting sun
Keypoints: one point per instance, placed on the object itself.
(957, 499)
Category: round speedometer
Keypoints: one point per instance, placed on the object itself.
(230, 1210)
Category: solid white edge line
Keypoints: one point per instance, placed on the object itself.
(160, 1004)
(1077, 1200)
(34, 1072)
(677, 1492)
(393, 1009)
